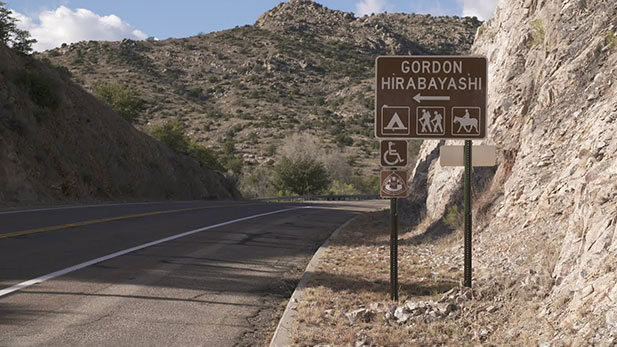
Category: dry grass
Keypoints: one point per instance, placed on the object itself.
(354, 273)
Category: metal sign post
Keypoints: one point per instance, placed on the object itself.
(467, 192)
(394, 250)
(393, 185)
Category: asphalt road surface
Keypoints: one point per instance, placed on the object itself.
(153, 274)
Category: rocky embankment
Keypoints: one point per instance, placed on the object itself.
(546, 218)
(59, 143)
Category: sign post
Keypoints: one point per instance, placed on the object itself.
(394, 250)
(467, 193)
(428, 97)
(393, 185)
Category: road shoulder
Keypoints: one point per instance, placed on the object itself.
(283, 334)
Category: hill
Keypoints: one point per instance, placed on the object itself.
(301, 68)
(59, 143)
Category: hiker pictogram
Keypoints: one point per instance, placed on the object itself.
(430, 120)
(395, 120)
(465, 121)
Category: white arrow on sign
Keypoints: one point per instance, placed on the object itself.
(419, 98)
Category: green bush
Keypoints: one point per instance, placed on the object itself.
(257, 183)
(42, 88)
(341, 188)
(207, 158)
(270, 150)
(454, 218)
(301, 176)
(537, 33)
(171, 133)
(126, 102)
(343, 140)
(235, 165)
(611, 40)
(413, 148)
(366, 185)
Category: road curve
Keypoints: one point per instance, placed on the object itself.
(171, 273)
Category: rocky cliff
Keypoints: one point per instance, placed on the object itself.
(546, 217)
(59, 143)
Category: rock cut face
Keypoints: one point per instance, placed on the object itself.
(549, 210)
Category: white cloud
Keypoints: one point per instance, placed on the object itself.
(63, 25)
(371, 6)
(483, 9)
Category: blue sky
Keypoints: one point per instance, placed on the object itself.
(53, 22)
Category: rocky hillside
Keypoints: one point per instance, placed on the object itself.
(301, 68)
(546, 218)
(59, 143)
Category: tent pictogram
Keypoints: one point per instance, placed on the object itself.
(395, 120)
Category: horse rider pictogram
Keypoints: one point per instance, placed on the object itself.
(467, 123)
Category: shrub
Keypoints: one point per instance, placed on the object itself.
(413, 149)
(611, 40)
(340, 188)
(537, 33)
(171, 133)
(229, 146)
(235, 165)
(270, 150)
(257, 183)
(207, 158)
(454, 218)
(41, 87)
(343, 140)
(300, 176)
(366, 185)
(126, 102)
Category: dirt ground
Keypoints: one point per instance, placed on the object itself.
(347, 301)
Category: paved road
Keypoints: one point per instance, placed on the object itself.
(164, 274)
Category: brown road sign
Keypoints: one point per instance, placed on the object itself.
(430, 97)
(393, 153)
(393, 184)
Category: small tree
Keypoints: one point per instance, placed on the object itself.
(125, 101)
(10, 35)
(301, 176)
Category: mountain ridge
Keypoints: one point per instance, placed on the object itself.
(301, 68)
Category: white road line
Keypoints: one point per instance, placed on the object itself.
(84, 206)
(44, 278)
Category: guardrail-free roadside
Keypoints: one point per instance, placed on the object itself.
(322, 197)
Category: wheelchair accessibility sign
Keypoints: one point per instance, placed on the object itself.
(393, 153)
